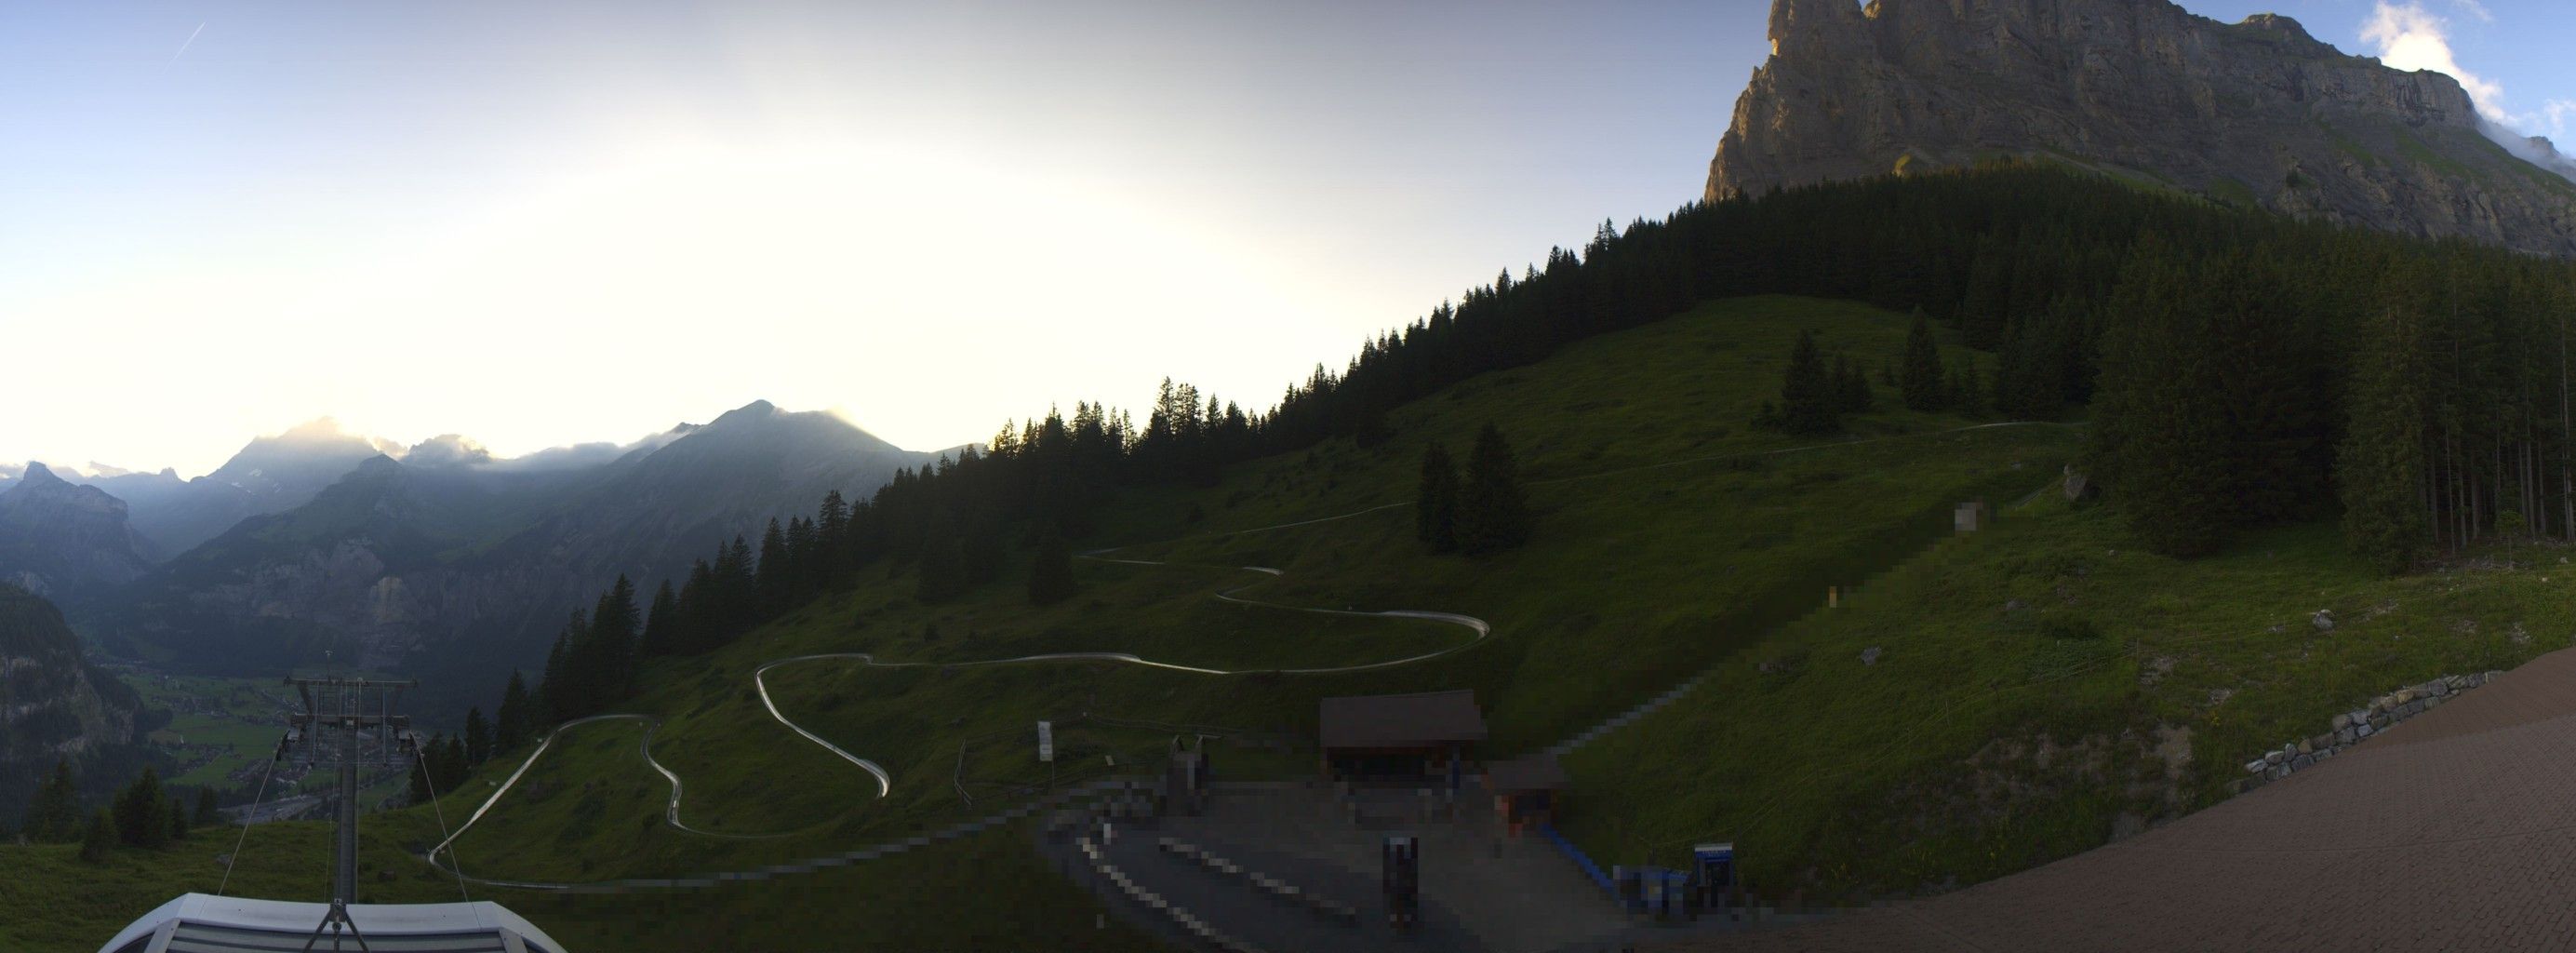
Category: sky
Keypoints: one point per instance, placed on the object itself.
(543, 224)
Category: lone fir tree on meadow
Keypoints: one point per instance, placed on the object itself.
(1923, 383)
(97, 837)
(1493, 511)
(1435, 506)
(142, 813)
(1809, 396)
(511, 725)
(1851, 386)
(54, 816)
(478, 737)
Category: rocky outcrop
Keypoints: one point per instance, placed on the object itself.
(64, 540)
(2256, 113)
(53, 703)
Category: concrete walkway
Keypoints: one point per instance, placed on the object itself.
(1480, 890)
(2455, 830)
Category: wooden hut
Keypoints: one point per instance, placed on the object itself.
(1411, 738)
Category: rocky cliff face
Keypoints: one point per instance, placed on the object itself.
(64, 540)
(53, 703)
(2255, 113)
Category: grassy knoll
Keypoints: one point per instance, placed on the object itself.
(2042, 686)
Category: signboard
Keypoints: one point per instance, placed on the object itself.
(1046, 741)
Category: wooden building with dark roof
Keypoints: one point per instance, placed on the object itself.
(1410, 738)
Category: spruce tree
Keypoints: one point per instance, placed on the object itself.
(775, 571)
(563, 699)
(1925, 386)
(801, 552)
(419, 790)
(1493, 512)
(832, 531)
(1435, 506)
(1851, 387)
(1807, 394)
(97, 837)
(611, 658)
(1051, 574)
(2030, 378)
(54, 816)
(2379, 469)
(207, 812)
(694, 630)
(178, 818)
(661, 624)
(2159, 440)
(142, 814)
(511, 724)
(478, 737)
(451, 766)
(737, 593)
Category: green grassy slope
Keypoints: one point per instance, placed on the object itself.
(1635, 582)
(1670, 537)
(1989, 739)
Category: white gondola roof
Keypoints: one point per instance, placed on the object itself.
(201, 923)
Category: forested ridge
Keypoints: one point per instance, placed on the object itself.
(2241, 369)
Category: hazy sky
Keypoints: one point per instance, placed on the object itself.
(539, 224)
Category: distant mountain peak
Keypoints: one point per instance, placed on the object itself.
(325, 427)
(756, 410)
(66, 538)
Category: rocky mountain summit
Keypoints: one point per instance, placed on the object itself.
(60, 538)
(2254, 113)
(53, 702)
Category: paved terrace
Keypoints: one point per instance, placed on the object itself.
(2455, 830)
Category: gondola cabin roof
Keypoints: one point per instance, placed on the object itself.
(201, 923)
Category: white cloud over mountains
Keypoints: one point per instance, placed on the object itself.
(2409, 37)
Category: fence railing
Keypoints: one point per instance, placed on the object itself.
(1582, 861)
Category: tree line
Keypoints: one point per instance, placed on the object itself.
(144, 814)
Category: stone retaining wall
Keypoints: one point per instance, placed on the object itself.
(2351, 727)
